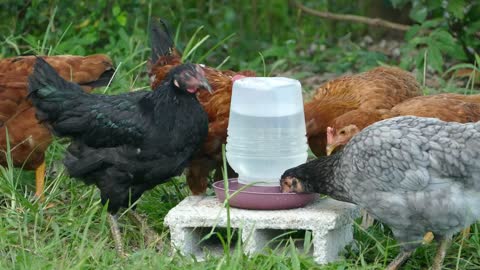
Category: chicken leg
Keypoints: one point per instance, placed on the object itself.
(466, 232)
(151, 236)
(117, 237)
(399, 260)
(40, 181)
(441, 252)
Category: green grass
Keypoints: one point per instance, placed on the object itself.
(74, 234)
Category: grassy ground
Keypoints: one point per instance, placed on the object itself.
(74, 233)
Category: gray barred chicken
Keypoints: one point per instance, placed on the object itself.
(414, 174)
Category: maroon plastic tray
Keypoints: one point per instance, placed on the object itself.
(261, 198)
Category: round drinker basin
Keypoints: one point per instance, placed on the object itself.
(261, 198)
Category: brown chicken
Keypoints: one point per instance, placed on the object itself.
(376, 89)
(446, 107)
(27, 138)
(209, 157)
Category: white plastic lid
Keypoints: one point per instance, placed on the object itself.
(267, 96)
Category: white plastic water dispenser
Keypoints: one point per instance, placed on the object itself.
(266, 130)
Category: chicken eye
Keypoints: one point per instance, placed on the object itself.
(342, 132)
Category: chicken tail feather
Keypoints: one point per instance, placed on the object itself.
(161, 40)
(103, 80)
(49, 92)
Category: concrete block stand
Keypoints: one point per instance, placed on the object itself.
(329, 221)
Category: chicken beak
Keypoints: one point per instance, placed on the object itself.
(330, 148)
(205, 85)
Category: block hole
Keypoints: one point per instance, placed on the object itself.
(283, 239)
(205, 241)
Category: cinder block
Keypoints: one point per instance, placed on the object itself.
(329, 221)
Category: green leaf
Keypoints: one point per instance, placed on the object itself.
(229, 15)
(435, 58)
(433, 4)
(433, 23)
(116, 10)
(419, 40)
(398, 3)
(122, 19)
(456, 8)
(418, 12)
(442, 36)
(406, 62)
(412, 31)
(445, 42)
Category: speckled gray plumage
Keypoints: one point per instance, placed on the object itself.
(414, 174)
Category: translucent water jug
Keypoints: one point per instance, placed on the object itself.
(266, 130)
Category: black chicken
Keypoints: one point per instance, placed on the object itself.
(415, 174)
(128, 143)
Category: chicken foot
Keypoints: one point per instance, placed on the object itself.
(117, 237)
(151, 236)
(399, 260)
(466, 232)
(441, 252)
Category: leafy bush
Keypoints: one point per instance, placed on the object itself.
(443, 30)
(254, 32)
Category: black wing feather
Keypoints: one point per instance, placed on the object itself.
(96, 120)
